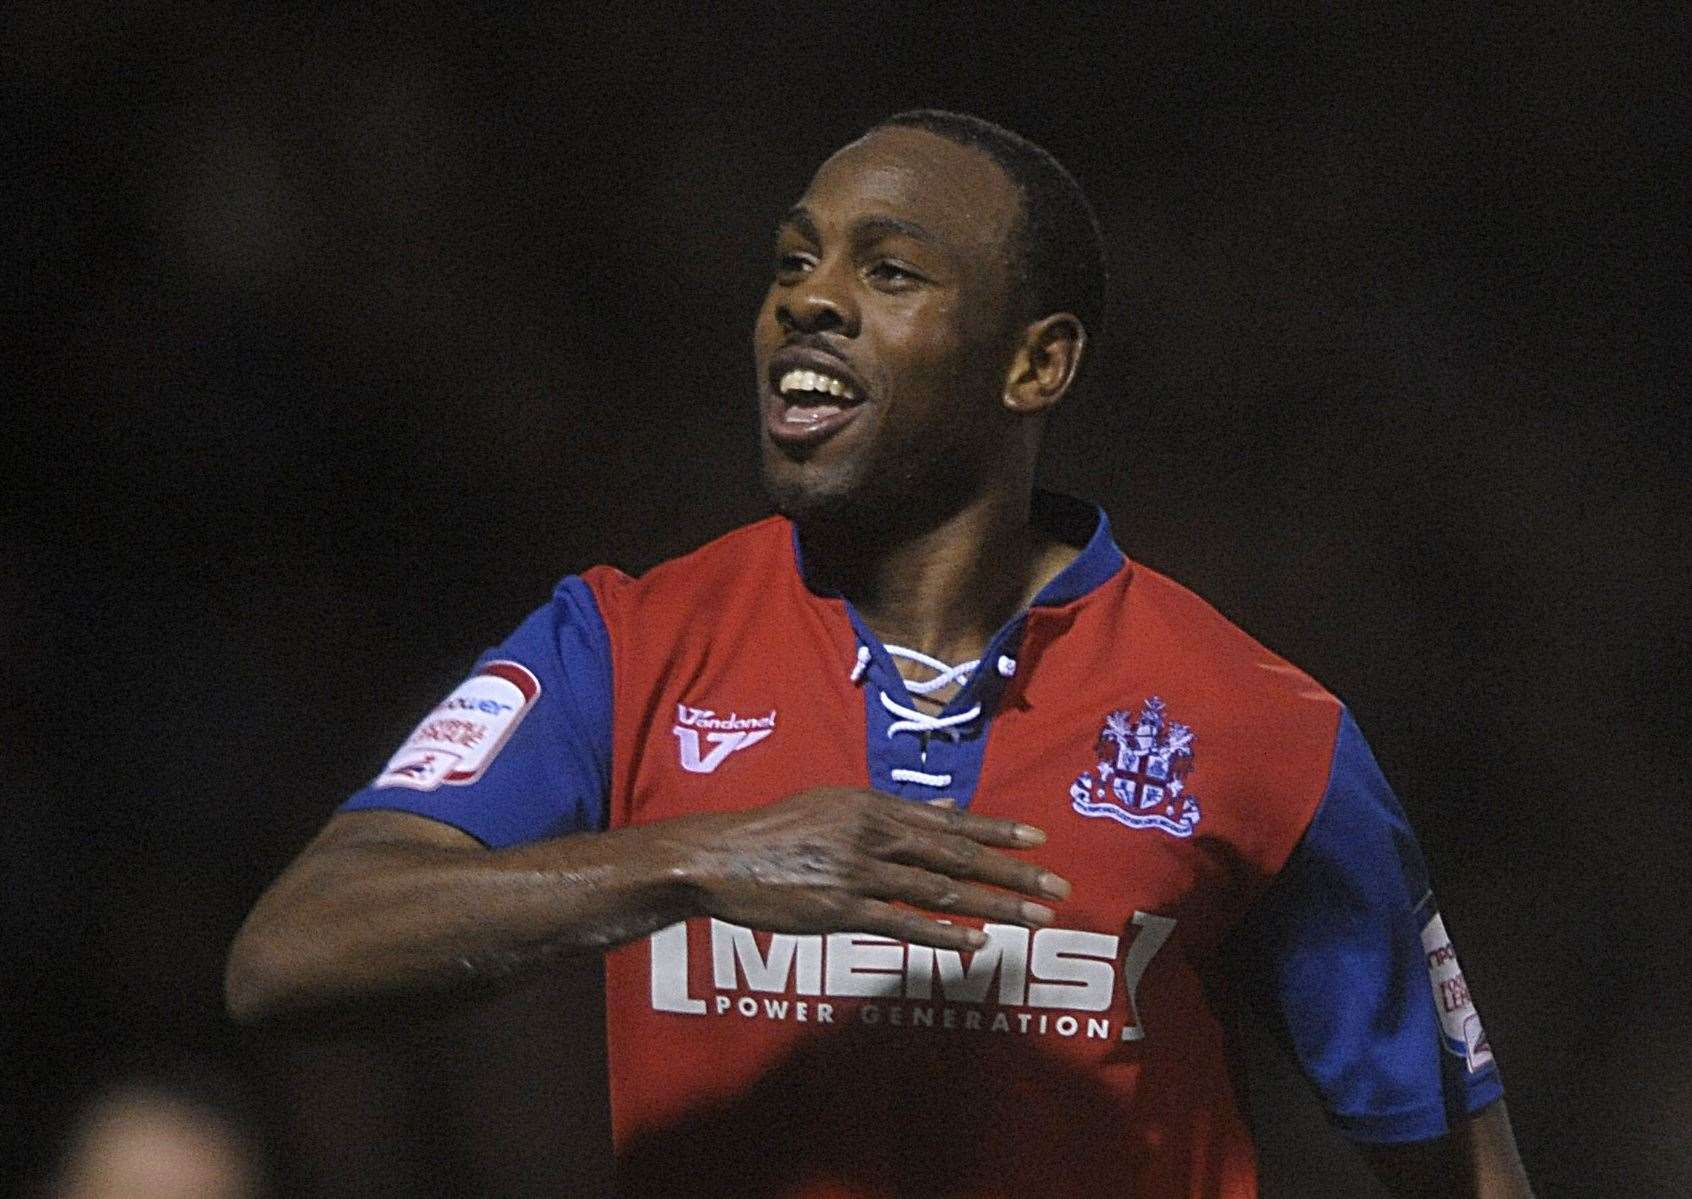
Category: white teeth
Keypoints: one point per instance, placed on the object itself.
(798, 380)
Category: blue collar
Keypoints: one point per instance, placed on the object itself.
(1098, 560)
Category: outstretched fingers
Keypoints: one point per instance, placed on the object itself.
(943, 844)
(1002, 834)
(939, 893)
(902, 924)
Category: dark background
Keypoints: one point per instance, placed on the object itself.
(343, 336)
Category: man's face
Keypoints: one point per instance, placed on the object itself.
(882, 344)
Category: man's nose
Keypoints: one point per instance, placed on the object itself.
(819, 303)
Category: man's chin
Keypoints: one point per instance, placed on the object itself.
(860, 500)
(801, 501)
(804, 493)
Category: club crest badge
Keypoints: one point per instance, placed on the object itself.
(1141, 776)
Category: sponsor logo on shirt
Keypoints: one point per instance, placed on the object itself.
(1046, 982)
(1140, 779)
(1457, 1016)
(457, 741)
(705, 739)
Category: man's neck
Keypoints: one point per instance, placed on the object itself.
(947, 588)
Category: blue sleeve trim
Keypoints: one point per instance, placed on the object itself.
(1338, 947)
(1422, 1124)
(553, 773)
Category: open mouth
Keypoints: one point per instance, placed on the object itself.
(812, 398)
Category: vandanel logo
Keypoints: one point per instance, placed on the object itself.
(724, 734)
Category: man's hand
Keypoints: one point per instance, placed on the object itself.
(834, 859)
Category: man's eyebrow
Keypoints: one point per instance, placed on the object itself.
(799, 218)
(874, 227)
(869, 228)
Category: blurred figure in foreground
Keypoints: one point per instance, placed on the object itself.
(149, 1139)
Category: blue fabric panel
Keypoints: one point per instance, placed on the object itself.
(1338, 944)
(553, 774)
(961, 757)
(1098, 560)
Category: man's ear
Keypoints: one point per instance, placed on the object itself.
(1046, 361)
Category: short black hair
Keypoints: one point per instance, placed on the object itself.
(1059, 263)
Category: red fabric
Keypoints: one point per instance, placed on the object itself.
(706, 1104)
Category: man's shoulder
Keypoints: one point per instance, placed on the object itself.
(1266, 731)
(741, 560)
(1188, 631)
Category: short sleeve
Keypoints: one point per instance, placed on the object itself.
(1357, 973)
(521, 750)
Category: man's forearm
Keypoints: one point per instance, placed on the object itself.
(384, 905)
(1478, 1160)
(366, 915)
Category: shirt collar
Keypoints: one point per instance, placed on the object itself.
(1099, 559)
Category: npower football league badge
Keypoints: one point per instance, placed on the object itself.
(459, 739)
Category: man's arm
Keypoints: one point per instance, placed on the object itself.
(1478, 1160)
(385, 904)
(1353, 959)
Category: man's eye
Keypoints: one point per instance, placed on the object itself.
(893, 273)
(792, 263)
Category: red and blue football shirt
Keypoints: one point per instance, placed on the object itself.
(1195, 788)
